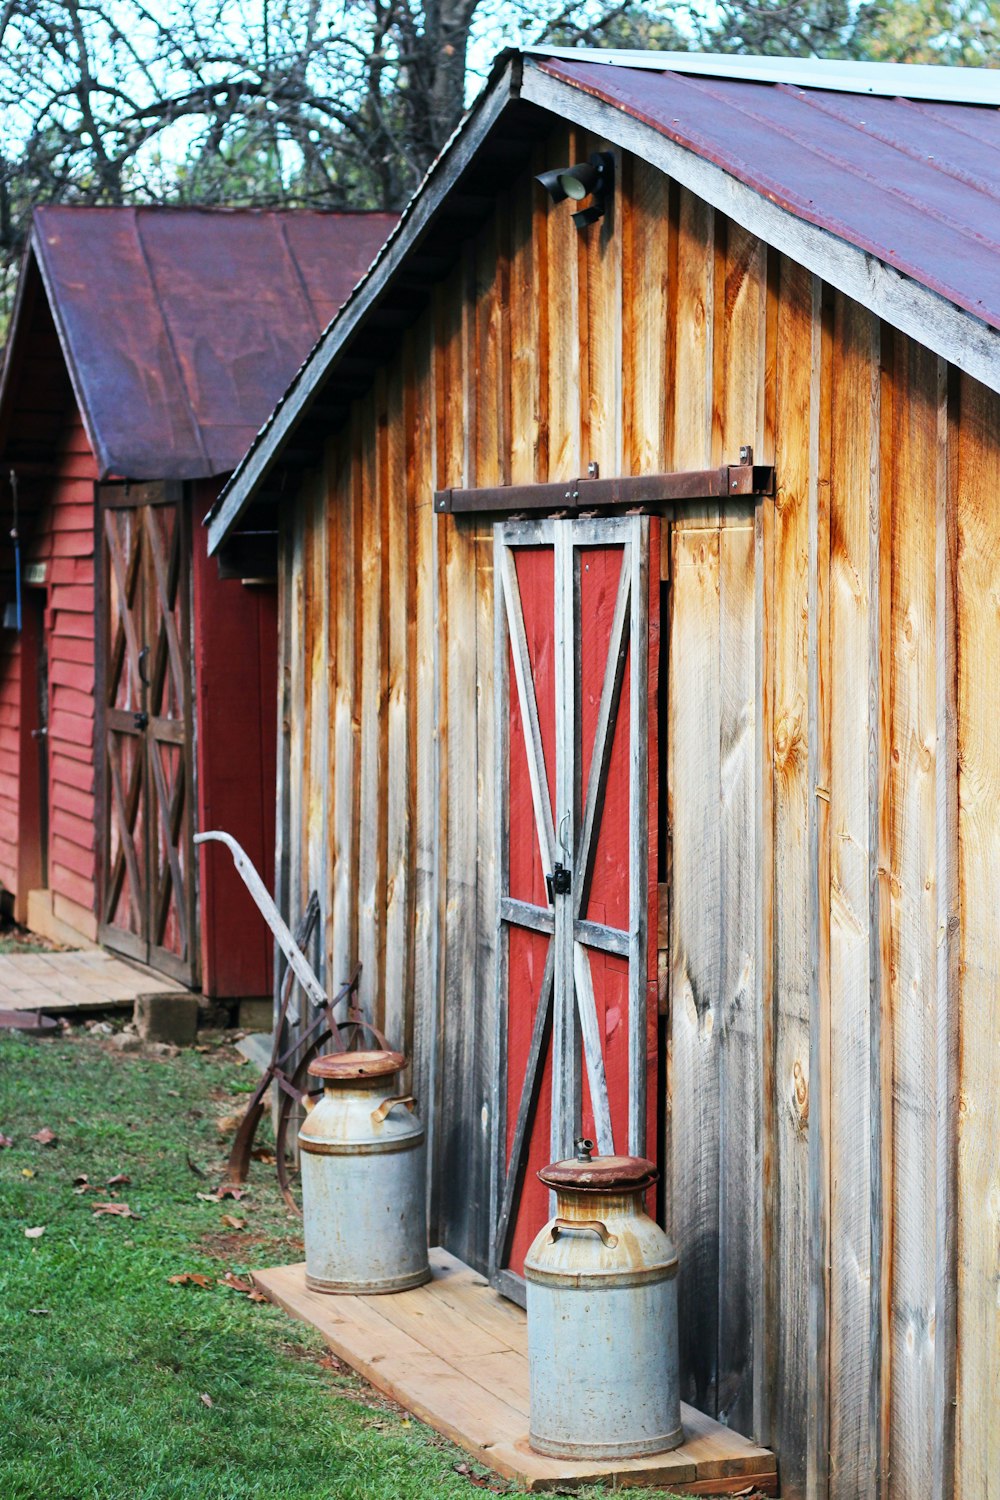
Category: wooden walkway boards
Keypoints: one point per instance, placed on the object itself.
(455, 1354)
(84, 980)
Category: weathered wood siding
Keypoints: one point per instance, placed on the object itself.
(60, 538)
(833, 767)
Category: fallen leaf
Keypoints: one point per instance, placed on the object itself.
(240, 1060)
(233, 1222)
(194, 1167)
(462, 1468)
(206, 1398)
(27, 1171)
(40, 1312)
(243, 1285)
(202, 1048)
(120, 1181)
(262, 1154)
(45, 1136)
(5, 1140)
(191, 1278)
(81, 1180)
(114, 1210)
(35, 1234)
(225, 1191)
(173, 1093)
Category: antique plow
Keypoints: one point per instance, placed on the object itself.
(289, 1063)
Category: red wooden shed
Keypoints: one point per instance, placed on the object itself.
(137, 681)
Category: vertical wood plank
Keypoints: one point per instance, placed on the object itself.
(881, 668)
(343, 769)
(910, 1200)
(693, 335)
(421, 400)
(373, 809)
(646, 291)
(693, 739)
(741, 395)
(948, 941)
(565, 395)
(399, 782)
(818, 1452)
(603, 312)
(764, 611)
(739, 1028)
(492, 467)
(855, 427)
(528, 320)
(978, 619)
(788, 1382)
(738, 408)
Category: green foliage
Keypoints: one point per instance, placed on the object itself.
(930, 31)
(104, 1363)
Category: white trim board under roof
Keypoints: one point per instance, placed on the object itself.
(928, 81)
(520, 80)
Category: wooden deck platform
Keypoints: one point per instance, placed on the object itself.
(83, 980)
(455, 1354)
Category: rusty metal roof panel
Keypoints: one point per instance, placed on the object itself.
(182, 327)
(916, 184)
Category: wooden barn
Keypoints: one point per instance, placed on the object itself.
(639, 630)
(137, 680)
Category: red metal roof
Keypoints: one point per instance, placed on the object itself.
(916, 184)
(182, 327)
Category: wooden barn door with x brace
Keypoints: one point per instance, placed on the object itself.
(577, 629)
(145, 727)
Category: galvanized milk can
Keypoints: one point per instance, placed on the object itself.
(363, 1178)
(602, 1315)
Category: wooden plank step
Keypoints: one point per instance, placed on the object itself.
(455, 1354)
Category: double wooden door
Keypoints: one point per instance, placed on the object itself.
(145, 731)
(575, 686)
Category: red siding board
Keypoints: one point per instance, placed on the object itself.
(77, 625)
(78, 774)
(75, 599)
(66, 854)
(67, 648)
(69, 700)
(74, 830)
(76, 801)
(75, 887)
(72, 674)
(236, 691)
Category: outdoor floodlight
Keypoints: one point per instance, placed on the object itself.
(552, 185)
(588, 179)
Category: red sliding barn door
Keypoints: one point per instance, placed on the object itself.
(575, 683)
(145, 727)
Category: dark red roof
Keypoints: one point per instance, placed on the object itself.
(182, 327)
(917, 184)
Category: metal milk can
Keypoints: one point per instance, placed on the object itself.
(602, 1315)
(363, 1178)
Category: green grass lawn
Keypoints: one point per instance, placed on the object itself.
(105, 1365)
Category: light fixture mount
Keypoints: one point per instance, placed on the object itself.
(594, 179)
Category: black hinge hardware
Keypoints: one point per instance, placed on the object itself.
(559, 883)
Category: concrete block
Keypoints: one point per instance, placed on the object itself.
(167, 1018)
(256, 1015)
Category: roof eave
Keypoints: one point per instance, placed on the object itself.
(948, 330)
(257, 464)
(104, 464)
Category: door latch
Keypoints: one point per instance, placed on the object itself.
(140, 720)
(559, 883)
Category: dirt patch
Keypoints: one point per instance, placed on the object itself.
(229, 1244)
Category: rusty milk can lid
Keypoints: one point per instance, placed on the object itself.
(585, 1173)
(343, 1066)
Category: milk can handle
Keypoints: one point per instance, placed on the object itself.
(378, 1115)
(594, 1225)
